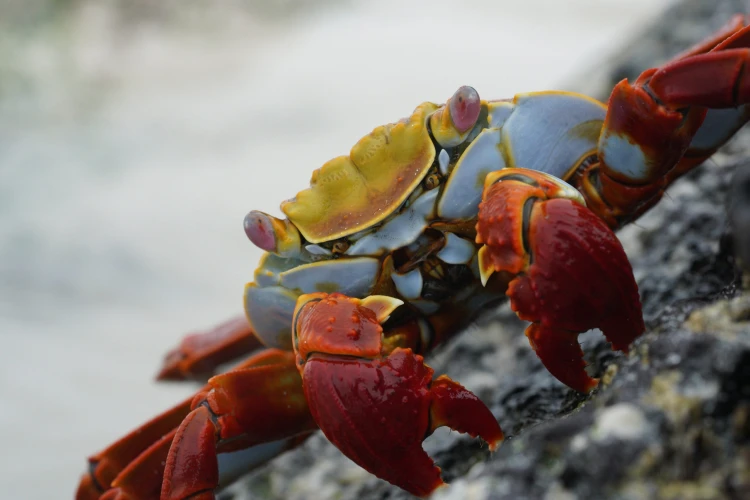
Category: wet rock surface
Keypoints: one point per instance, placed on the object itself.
(670, 420)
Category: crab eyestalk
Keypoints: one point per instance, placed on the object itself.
(452, 123)
(273, 235)
(378, 406)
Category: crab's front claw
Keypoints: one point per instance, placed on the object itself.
(377, 406)
(570, 272)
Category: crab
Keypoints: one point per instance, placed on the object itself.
(396, 246)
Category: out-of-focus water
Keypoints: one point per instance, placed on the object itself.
(130, 150)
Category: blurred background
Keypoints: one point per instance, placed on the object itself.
(134, 137)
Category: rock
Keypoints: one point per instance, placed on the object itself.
(670, 420)
(739, 215)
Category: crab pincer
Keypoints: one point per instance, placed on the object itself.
(376, 403)
(569, 271)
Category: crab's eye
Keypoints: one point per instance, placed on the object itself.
(465, 107)
(259, 229)
(432, 181)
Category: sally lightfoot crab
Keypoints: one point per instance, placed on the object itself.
(397, 245)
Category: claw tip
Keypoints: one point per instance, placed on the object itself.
(485, 267)
(381, 305)
(495, 444)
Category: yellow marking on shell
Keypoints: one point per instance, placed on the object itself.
(493, 177)
(286, 236)
(506, 151)
(590, 130)
(500, 107)
(260, 270)
(481, 176)
(350, 193)
(327, 286)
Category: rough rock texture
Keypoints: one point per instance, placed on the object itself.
(671, 420)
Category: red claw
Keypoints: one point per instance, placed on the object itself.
(377, 410)
(578, 276)
(580, 279)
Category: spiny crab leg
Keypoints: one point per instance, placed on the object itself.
(126, 469)
(666, 123)
(199, 354)
(133, 456)
(717, 79)
(374, 405)
(735, 24)
(240, 409)
(570, 271)
(180, 446)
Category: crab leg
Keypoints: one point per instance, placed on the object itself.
(720, 124)
(569, 271)
(199, 354)
(717, 79)
(134, 466)
(132, 452)
(376, 402)
(261, 407)
(653, 131)
(735, 24)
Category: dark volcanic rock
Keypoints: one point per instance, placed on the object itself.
(670, 420)
(739, 215)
